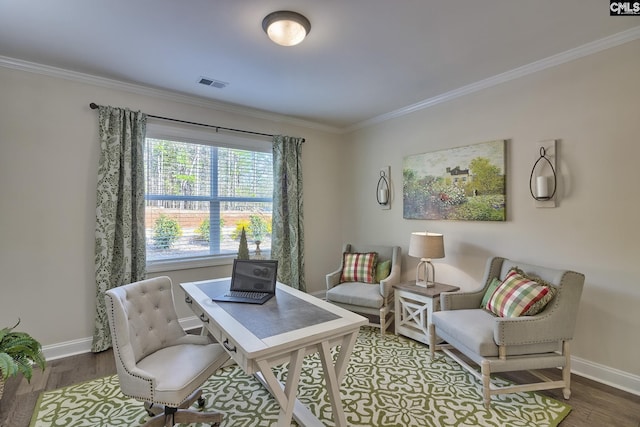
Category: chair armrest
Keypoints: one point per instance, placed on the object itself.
(529, 330)
(473, 299)
(333, 279)
(555, 323)
(461, 300)
(386, 285)
(134, 381)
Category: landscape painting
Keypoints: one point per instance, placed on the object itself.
(465, 183)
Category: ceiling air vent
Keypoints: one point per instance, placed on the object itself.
(212, 82)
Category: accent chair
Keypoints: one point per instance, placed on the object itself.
(502, 343)
(374, 298)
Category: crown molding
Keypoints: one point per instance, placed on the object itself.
(32, 67)
(614, 40)
(552, 61)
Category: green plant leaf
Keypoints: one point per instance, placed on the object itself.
(8, 367)
(19, 351)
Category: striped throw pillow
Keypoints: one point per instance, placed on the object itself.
(359, 267)
(515, 295)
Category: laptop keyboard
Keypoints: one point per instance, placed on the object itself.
(245, 294)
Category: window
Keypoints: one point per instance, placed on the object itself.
(199, 196)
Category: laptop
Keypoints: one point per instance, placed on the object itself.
(252, 282)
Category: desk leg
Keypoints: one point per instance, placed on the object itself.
(333, 374)
(333, 386)
(286, 397)
(348, 342)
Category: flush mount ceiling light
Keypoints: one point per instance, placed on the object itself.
(286, 28)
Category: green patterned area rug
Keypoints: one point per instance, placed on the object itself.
(391, 381)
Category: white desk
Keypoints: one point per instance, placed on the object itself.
(286, 328)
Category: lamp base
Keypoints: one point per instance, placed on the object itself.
(424, 284)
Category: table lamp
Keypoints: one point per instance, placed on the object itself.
(426, 246)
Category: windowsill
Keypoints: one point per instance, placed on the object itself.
(190, 263)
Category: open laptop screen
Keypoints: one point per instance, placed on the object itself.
(254, 275)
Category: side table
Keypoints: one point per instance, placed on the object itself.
(414, 306)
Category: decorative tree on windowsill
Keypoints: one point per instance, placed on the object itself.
(243, 249)
(19, 351)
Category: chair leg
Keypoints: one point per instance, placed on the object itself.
(486, 384)
(189, 416)
(196, 395)
(566, 370)
(383, 321)
(166, 416)
(153, 409)
(156, 421)
(432, 340)
(173, 416)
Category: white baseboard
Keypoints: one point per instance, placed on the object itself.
(66, 349)
(83, 345)
(606, 375)
(584, 368)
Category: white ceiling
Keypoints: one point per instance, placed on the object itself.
(362, 59)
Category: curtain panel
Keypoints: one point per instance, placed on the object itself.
(120, 235)
(287, 236)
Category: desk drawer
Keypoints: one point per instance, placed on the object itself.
(230, 345)
(213, 329)
(199, 312)
(234, 350)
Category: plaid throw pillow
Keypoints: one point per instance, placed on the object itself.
(359, 267)
(515, 295)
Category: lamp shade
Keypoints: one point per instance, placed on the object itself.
(426, 245)
(286, 28)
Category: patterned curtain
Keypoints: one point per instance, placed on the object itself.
(287, 236)
(120, 240)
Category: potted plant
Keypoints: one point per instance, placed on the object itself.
(19, 351)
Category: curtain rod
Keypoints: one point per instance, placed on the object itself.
(94, 106)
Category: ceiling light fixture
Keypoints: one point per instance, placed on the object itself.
(286, 28)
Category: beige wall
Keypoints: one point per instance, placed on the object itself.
(48, 161)
(592, 105)
(49, 152)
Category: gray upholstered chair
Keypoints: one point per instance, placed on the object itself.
(502, 344)
(156, 360)
(373, 299)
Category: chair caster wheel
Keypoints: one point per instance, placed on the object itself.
(201, 403)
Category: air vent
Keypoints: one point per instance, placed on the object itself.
(212, 82)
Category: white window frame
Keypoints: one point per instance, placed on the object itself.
(211, 137)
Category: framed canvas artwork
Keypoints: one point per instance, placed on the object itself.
(464, 183)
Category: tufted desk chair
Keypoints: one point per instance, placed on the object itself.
(157, 361)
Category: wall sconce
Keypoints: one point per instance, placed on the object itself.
(426, 246)
(383, 189)
(543, 182)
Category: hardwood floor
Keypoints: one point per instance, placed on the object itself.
(594, 404)
(19, 399)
